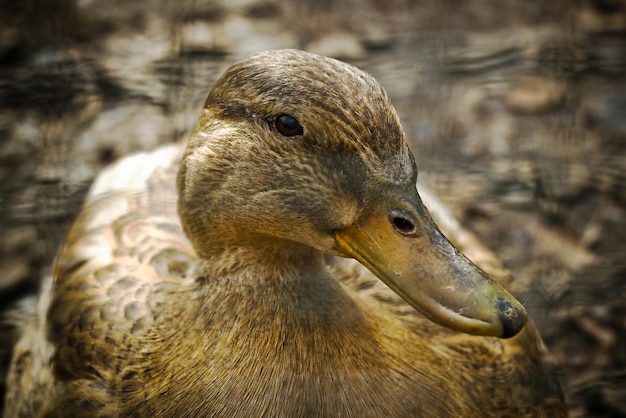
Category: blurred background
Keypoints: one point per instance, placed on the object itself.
(515, 110)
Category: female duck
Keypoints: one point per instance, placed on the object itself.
(219, 301)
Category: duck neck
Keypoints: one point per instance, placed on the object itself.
(288, 287)
(267, 261)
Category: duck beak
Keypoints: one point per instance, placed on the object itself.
(400, 243)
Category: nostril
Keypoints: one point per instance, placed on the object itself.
(403, 225)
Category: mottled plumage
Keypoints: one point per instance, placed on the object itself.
(202, 279)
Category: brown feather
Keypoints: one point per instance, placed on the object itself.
(242, 314)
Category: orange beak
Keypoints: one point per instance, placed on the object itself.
(399, 242)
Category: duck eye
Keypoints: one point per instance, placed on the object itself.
(288, 126)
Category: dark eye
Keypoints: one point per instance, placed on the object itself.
(288, 126)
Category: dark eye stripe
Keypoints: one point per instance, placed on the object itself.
(288, 126)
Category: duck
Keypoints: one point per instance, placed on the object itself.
(279, 262)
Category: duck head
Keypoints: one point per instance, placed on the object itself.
(296, 155)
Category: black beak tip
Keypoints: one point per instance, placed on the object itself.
(513, 319)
